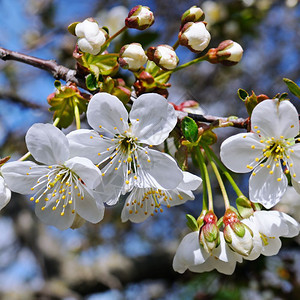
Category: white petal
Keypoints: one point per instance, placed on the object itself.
(54, 217)
(190, 181)
(275, 119)
(294, 154)
(272, 248)
(134, 209)
(179, 197)
(15, 175)
(264, 187)
(5, 193)
(47, 144)
(240, 151)
(107, 112)
(89, 144)
(88, 208)
(152, 118)
(86, 170)
(189, 253)
(162, 171)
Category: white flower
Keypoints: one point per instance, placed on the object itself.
(140, 17)
(5, 193)
(271, 225)
(62, 186)
(167, 57)
(132, 56)
(194, 36)
(143, 202)
(124, 161)
(191, 255)
(91, 37)
(231, 50)
(269, 150)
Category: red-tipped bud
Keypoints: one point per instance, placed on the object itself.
(164, 56)
(132, 57)
(194, 14)
(140, 17)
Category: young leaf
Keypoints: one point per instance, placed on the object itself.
(293, 87)
(191, 222)
(189, 129)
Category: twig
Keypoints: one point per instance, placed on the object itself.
(58, 71)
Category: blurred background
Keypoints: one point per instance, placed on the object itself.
(115, 260)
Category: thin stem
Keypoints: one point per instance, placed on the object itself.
(77, 115)
(56, 121)
(225, 171)
(219, 178)
(114, 36)
(176, 45)
(205, 178)
(194, 61)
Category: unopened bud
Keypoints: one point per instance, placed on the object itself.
(209, 235)
(91, 37)
(164, 56)
(132, 57)
(238, 236)
(194, 36)
(140, 17)
(193, 14)
(228, 53)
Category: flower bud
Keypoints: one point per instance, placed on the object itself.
(91, 37)
(228, 53)
(193, 14)
(194, 36)
(132, 57)
(209, 235)
(164, 56)
(140, 17)
(238, 236)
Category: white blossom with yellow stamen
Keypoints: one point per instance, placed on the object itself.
(144, 202)
(62, 186)
(270, 150)
(124, 160)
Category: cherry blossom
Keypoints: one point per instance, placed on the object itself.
(62, 186)
(116, 146)
(269, 150)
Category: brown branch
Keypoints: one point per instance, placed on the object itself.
(236, 122)
(58, 71)
(13, 97)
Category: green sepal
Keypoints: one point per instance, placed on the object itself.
(189, 129)
(238, 228)
(242, 94)
(63, 101)
(292, 86)
(91, 82)
(244, 207)
(191, 222)
(220, 222)
(71, 27)
(283, 96)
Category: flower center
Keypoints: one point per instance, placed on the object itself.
(59, 186)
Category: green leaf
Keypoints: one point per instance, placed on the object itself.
(191, 222)
(209, 137)
(91, 82)
(292, 86)
(71, 27)
(57, 84)
(242, 94)
(189, 129)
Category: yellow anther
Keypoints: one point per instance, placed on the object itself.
(107, 149)
(294, 175)
(82, 198)
(253, 147)
(91, 137)
(258, 131)
(287, 156)
(115, 128)
(63, 197)
(54, 208)
(129, 159)
(121, 119)
(78, 194)
(128, 172)
(53, 195)
(130, 211)
(146, 152)
(268, 166)
(279, 179)
(261, 141)
(100, 126)
(43, 208)
(103, 174)
(127, 181)
(151, 146)
(277, 165)
(135, 177)
(292, 126)
(99, 153)
(292, 150)
(281, 136)
(180, 197)
(148, 160)
(32, 198)
(284, 163)
(255, 127)
(50, 167)
(253, 173)
(70, 201)
(101, 135)
(244, 136)
(286, 171)
(46, 199)
(271, 172)
(262, 165)
(272, 138)
(116, 169)
(27, 173)
(256, 159)
(291, 164)
(137, 119)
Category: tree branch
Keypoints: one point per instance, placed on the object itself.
(58, 71)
